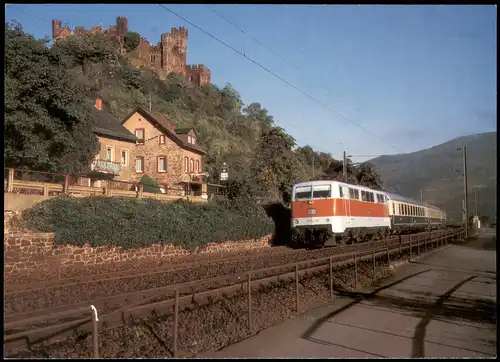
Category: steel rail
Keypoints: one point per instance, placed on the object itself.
(138, 296)
(131, 311)
(120, 275)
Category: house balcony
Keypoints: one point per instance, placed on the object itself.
(194, 177)
(105, 166)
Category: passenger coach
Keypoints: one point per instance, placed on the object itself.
(410, 215)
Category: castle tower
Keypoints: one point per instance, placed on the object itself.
(121, 25)
(180, 37)
(56, 28)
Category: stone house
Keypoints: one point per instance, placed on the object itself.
(115, 160)
(169, 155)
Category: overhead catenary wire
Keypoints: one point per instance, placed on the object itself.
(250, 59)
(273, 74)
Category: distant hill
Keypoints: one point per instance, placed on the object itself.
(434, 171)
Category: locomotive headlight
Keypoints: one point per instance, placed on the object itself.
(327, 220)
(295, 222)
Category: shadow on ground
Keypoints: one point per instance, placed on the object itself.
(443, 307)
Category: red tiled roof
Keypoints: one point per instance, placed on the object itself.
(168, 126)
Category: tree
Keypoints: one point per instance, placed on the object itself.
(46, 124)
(276, 167)
(367, 175)
(86, 49)
(131, 41)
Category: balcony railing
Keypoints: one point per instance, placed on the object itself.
(106, 166)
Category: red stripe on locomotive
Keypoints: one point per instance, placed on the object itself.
(338, 207)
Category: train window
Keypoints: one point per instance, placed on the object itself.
(393, 209)
(303, 192)
(341, 192)
(363, 196)
(321, 191)
(371, 197)
(351, 193)
(380, 198)
(356, 193)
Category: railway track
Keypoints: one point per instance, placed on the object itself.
(31, 298)
(18, 329)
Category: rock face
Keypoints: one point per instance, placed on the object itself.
(168, 56)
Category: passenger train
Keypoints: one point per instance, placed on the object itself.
(332, 212)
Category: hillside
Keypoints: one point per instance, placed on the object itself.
(433, 170)
(41, 117)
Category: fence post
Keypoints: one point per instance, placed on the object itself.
(10, 180)
(400, 250)
(388, 257)
(176, 323)
(355, 272)
(141, 190)
(249, 302)
(45, 190)
(297, 287)
(95, 332)
(373, 259)
(67, 179)
(331, 278)
(418, 244)
(425, 241)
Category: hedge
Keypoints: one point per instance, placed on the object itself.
(134, 223)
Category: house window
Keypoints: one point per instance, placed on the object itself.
(190, 139)
(186, 165)
(191, 165)
(193, 140)
(140, 134)
(162, 164)
(139, 164)
(109, 153)
(161, 140)
(124, 157)
(198, 166)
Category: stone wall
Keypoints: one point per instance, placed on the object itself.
(29, 252)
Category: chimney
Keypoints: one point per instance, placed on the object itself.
(98, 104)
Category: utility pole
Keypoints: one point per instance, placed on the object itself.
(344, 167)
(474, 209)
(313, 167)
(466, 199)
(421, 195)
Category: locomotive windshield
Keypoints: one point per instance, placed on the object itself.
(314, 192)
(303, 192)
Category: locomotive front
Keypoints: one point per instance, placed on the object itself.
(312, 206)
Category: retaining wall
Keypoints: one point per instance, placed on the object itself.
(29, 252)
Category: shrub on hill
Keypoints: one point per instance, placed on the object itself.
(134, 223)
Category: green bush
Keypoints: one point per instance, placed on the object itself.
(150, 185)
(132, 40)
(133, 223)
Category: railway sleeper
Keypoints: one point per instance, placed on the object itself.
(110, 320)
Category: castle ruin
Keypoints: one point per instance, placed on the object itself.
(168, 56)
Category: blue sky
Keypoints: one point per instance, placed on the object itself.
(413, 76)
